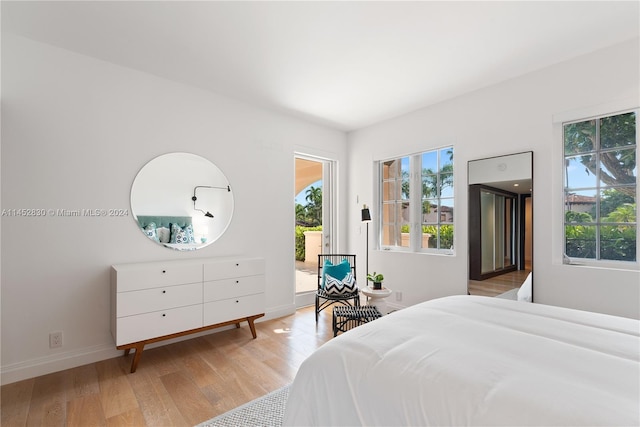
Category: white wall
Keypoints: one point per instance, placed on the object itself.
(75, 133)
(512, 117)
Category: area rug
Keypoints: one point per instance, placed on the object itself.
(265, 411)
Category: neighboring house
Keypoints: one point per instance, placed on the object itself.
(579, 203)
(445, 213)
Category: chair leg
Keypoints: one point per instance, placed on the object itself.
(316, 308)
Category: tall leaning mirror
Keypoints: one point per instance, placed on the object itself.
(501, 226)
(181, 201)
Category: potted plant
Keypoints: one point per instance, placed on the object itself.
(376, 278)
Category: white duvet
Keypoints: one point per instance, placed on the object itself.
(468, 360)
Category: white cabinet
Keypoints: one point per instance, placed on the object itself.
(232, 289)
(161, 300)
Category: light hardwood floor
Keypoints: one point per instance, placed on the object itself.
(498, 284)
(180, 384)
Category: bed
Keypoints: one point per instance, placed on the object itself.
(471, 360)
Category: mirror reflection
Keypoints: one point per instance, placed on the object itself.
(181, 201)
(500, 226)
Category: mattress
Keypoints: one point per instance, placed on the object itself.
(470, 360)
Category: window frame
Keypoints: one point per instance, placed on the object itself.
(597, 189)
(415, 200)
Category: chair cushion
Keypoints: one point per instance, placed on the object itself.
(345, 286)
(338, 271)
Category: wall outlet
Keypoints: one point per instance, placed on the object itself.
(398, 296)
(55, 339)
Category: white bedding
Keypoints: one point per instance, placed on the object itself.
(467, 360)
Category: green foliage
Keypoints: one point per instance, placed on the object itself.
(580, 241)
(617, 242)
(623, 213)
(576, 217)
(310, 214)
(446, 235)
(300, 251)
(612, 199)
(375, 277)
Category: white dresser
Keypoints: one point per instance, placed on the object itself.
(156, 301)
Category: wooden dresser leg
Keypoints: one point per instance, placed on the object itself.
(136, 357)
(126, 351)
(252, 326)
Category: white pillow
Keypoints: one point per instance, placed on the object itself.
(164, 234)
(526, 290)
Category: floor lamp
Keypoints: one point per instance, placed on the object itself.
(366, 217)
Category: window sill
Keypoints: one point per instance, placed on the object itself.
(605, 265)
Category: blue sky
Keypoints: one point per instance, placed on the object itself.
(301, 197)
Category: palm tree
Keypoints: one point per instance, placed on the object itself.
(314, 205)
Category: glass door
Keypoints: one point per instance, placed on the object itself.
(497, 232)
(315, 217)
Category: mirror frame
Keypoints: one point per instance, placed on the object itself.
(498, 174)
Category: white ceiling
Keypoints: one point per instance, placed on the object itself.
(342, 64)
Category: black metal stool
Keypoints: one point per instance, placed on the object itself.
(346, 317)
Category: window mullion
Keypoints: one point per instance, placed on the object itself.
(415, 200)
(598, 173)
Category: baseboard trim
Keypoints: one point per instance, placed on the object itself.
(56, 362)
(60, 361)
(279, 311)
(305, 299)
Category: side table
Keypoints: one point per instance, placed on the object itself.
(376, 298)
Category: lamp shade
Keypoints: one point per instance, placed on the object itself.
(366, 215)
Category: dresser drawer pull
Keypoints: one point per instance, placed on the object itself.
(164, 315)
(164, 292)
(237, 265)
(237, 301)
(237, 281)
(164, 271)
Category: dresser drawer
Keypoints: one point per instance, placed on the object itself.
(151, 325)
(229, 269)
(230, 288)
(234, 308)
(162, 298)
(157, 274)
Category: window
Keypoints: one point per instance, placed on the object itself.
(600, 188)
(417, 202)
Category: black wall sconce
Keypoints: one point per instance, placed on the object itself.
(194, 198)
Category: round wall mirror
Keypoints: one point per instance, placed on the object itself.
(181, 201)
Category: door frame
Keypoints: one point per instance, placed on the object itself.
(329, 214)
